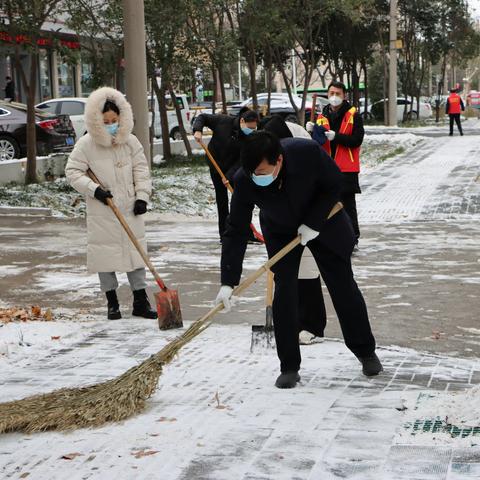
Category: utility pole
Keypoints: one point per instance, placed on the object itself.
(392, 71)
(136, 68)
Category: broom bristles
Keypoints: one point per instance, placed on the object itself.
(94, 405)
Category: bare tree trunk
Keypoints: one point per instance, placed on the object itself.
(152, 123)
(31, 170)
(162, 108)
(215, 86)
(221, 81)
(181, 127)
(252, 70)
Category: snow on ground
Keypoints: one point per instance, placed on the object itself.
(183, 187)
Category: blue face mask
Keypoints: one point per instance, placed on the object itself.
(264, 180)
(112, 129)
(247, 130)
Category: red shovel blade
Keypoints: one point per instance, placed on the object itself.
(168, 309)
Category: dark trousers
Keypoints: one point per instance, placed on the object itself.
(347, 299)
(456, 117)
(221, 198)
(312, 315)
(350, 206)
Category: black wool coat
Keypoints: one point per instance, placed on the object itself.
(226, 142)
(308, 186)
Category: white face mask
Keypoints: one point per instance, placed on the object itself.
(335, 100)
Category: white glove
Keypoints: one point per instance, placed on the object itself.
(306, 234)
(225, 296)
(309, 127)
(330, 134)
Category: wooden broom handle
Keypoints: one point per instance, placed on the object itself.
(130, 233)
(278, 256)
(269, 297)
(216, 166)
(227, 184)
(202, 323)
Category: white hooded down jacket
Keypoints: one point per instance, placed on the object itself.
(120, 165)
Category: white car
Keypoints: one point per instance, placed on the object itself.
(74, 107)
(280, 103)
(377, 109)
(173, 127)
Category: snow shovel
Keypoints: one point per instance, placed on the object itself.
(255, 232)
(168, 303)
(263, 335)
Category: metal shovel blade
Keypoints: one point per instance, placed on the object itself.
(263, 337)
(168, 309)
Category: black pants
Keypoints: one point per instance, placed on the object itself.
(346, 296)
(456, 117)
(312, 315)
(350, 206)
(221, 197)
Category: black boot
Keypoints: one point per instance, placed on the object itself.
(287, 380)
(371, 365)
(113, 306)
(141, 305)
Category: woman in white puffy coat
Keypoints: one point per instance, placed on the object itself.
(116, 157)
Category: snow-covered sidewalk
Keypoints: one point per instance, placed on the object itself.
(217, 415)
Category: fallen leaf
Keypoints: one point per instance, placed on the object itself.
(166, 419)
(24, 475)
(48, 316)
(36, 311)
(55, 337)
(144, 453)
(71, 456)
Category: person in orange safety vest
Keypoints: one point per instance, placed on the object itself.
(339, 129)
(453, 109)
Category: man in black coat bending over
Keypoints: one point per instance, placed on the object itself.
(225, 145)
(295, 184)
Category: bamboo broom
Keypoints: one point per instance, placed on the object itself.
(120, 397)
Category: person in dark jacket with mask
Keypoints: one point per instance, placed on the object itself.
(339, 129)
(312, 315)
(225, 145)
(295, 184)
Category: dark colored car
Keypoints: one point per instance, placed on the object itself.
(55, 133)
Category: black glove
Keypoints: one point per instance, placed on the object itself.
(102, 195)
(140, 207)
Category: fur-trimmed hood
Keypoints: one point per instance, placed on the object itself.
(94, 116)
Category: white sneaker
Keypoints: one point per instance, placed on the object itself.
(307, 338)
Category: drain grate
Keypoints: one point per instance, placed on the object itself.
(437, 425)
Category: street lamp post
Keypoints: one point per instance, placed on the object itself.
(136, 68)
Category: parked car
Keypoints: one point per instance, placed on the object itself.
(473, 99)
(55, 133)
(377, 109)
(279, 104)
(74, 107)
(173, 127)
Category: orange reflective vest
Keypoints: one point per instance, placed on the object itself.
(346, 158)
(454, 104)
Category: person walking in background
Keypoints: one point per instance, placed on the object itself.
(339, 129)
(454, 107)
(225, 145)
(116, 157)
(9, 89)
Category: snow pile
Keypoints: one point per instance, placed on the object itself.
(461, 409)
(378, 148)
